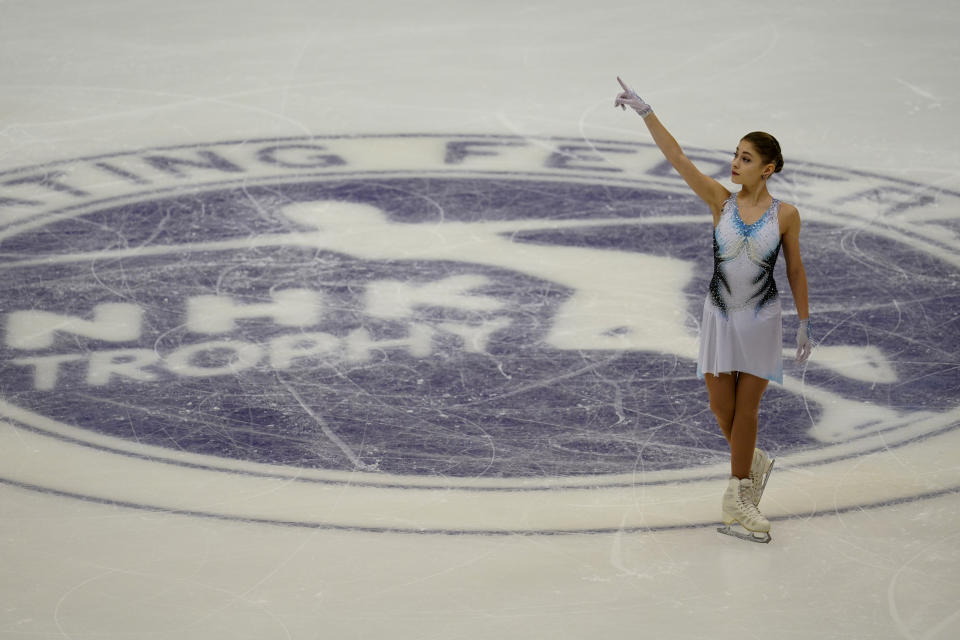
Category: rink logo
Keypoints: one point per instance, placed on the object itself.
(211, 315)
(448, 307)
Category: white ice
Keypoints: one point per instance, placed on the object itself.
(863, 85)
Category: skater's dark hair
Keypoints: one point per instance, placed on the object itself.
(768, 148)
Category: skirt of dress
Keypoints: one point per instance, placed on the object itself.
(743, 340)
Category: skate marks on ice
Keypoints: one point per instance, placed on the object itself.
(609, 309)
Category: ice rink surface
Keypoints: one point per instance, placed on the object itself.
(355, 320)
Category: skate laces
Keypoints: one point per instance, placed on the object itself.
(745, 501)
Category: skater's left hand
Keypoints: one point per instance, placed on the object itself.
(804, 343)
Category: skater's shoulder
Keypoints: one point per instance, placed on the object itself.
(787, 210)
(789, 218)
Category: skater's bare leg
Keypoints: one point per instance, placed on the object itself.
(735, 402)
(722, 390)
(743, 433)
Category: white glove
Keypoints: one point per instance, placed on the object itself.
(629, 98)
(804, 342)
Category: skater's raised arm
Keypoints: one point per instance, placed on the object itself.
(708, 189)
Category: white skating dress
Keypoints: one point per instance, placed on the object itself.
(741, 329)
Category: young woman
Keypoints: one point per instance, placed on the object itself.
(740, 334)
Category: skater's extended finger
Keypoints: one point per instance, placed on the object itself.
(625, 87)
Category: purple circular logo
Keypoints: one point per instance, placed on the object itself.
(444, 312)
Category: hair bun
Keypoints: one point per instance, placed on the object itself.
(768, 148)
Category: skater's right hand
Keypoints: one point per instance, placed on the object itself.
(629, 98)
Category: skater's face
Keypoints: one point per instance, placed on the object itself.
(747, 166)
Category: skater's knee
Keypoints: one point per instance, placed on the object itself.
(723, 411)
(748, 413)
(723, 400)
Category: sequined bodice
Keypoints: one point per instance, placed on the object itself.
(743, 258)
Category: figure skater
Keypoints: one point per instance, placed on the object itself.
(740, 334)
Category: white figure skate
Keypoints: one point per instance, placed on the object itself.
(759, 474)
(738, 509)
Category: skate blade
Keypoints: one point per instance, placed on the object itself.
(766, 476)
(763, 537)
